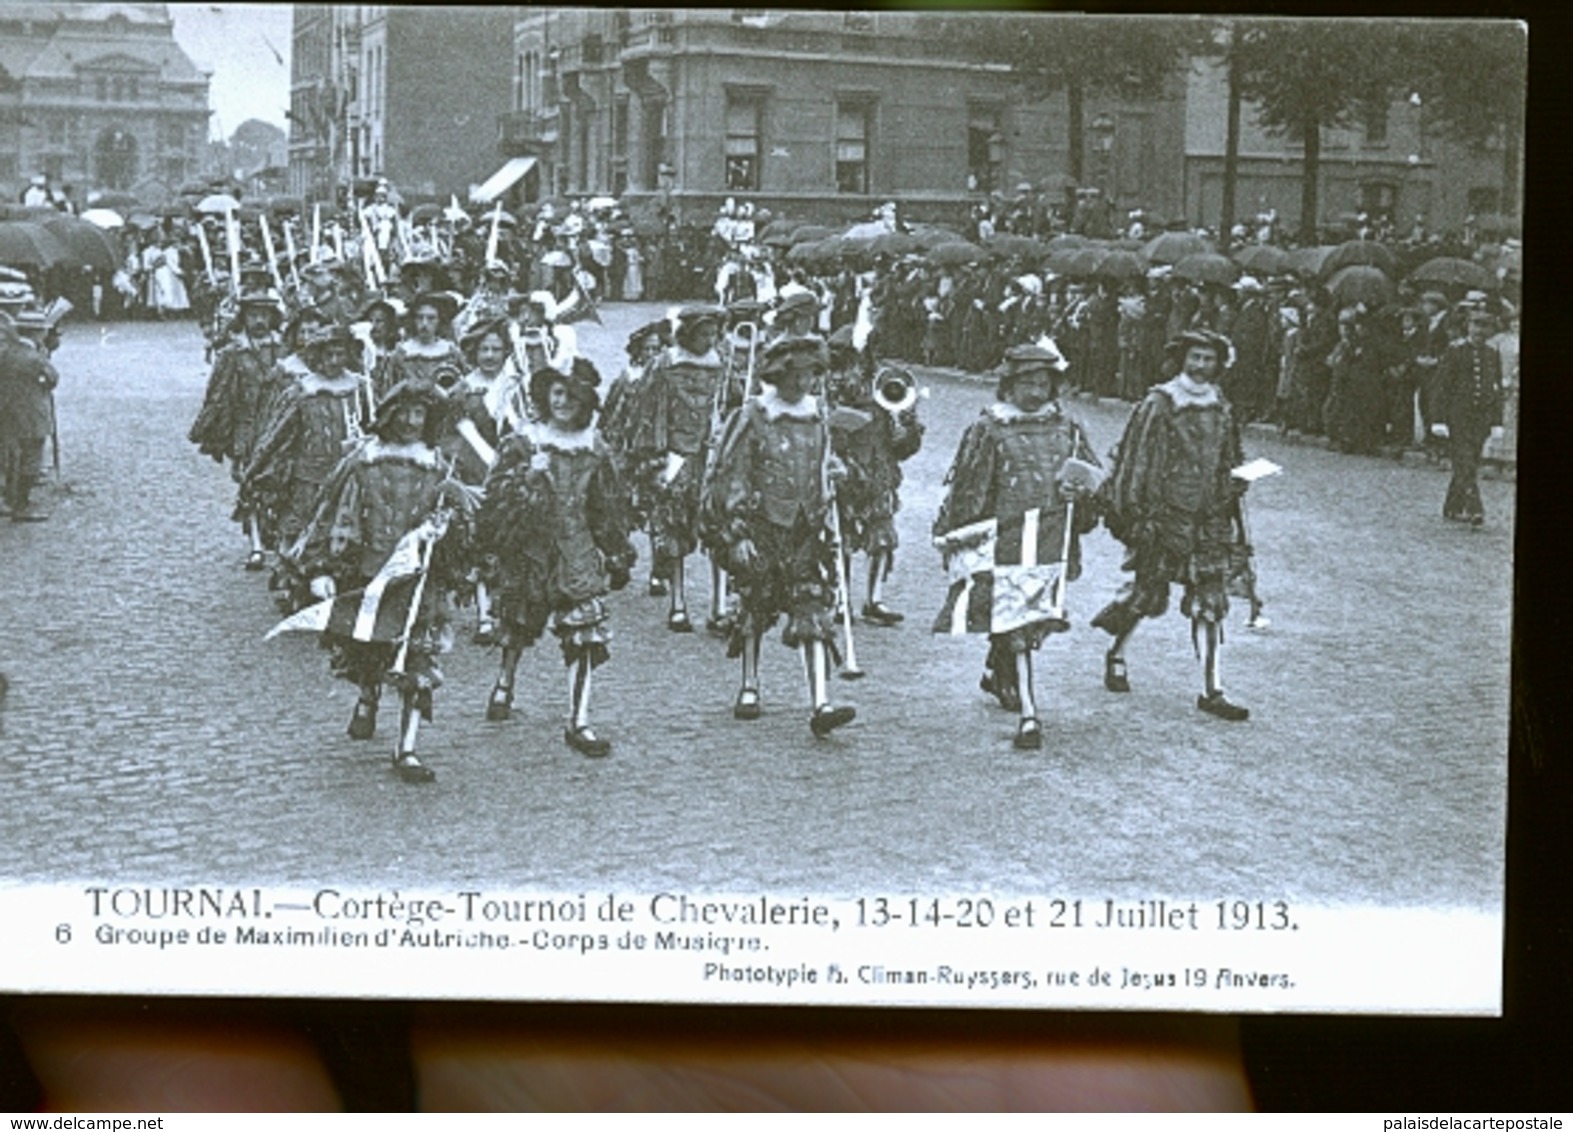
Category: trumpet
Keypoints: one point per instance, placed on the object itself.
(896, 391)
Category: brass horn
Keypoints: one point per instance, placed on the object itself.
(895, 390)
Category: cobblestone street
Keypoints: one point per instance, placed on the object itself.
(151, 734)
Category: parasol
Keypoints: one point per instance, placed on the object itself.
(26, 244)
(216, 204)
(1366, 253)
(87, 243)
(1262, 259)
(1120, 265)
(1307, 262)
(104, 218)
(1361, 283)
(1208, 267)
(954, 253)
(1172, 247)
(1450, 271)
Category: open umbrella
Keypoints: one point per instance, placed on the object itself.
(1208, 267)
(88, 244)
(1262, 259)
(175, 209)
(1083, 263)
(932, 236)
(1307, 262)
(866, 230)
(104, 218)
(1067, 241)
(425, 214)
(26, 244)
(1172, 247)
(1361, 283)
(897, 243)
(286, 206)
(1450, 271)
(809, 233)
(216, 204)
(1120, 265)
(120, 202)
(954, 253)
(803, 252)
(1010, 244)
(1367, 253)
(143, 220)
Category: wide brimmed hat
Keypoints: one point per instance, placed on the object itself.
(691, 314)
(1027, 359)
(13, 294)
(394, 306)
(1203, 339)
(582, 379)
(476, 334)
(791, 302)
(661, 329)
(410, 391)
(793, 350)
(331, 335)
(264, 300)
(446, 304)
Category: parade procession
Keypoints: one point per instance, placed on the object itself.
(661, 511)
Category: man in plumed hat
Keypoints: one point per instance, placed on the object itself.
(229, 422)
(1172, 500)
(1018, 467)
(553, 533)
(391, 483)
(768, 497)
(427, 354)
(304, 439)
(673, 434)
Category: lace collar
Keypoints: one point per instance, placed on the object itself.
(439, 348)
(774, 408)
(540, 434)
(1006, 413)
(1187, 394)
(415, 452)
(312, 383)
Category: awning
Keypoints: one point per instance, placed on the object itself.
(502, 180)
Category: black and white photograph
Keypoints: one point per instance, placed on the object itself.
(866, 508)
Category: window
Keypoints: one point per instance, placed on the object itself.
(132, 90)
(101, 88)
(1377, 199)
(57, 131)
(852, 131)
(858, 22)
(174, 170)
(1376, 123)
(742, 143)
(985, 148)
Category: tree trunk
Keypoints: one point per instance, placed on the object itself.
(1231, 160)
(1074, 135)
(1312, 129)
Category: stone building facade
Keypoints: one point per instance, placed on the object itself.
(99, 97)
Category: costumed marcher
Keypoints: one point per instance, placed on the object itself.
(378, 332)
(304, 441)
(1024, 466)
(770, 492)
(1172, 500)
(490, 300)
(538, 342)
(874, 429)
(1468, 411)
(673, 434)
(390, 497)
(553, 535)
(425, 354)
(620, 418)
(231, 418)
(27, 410)
(481, 409)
